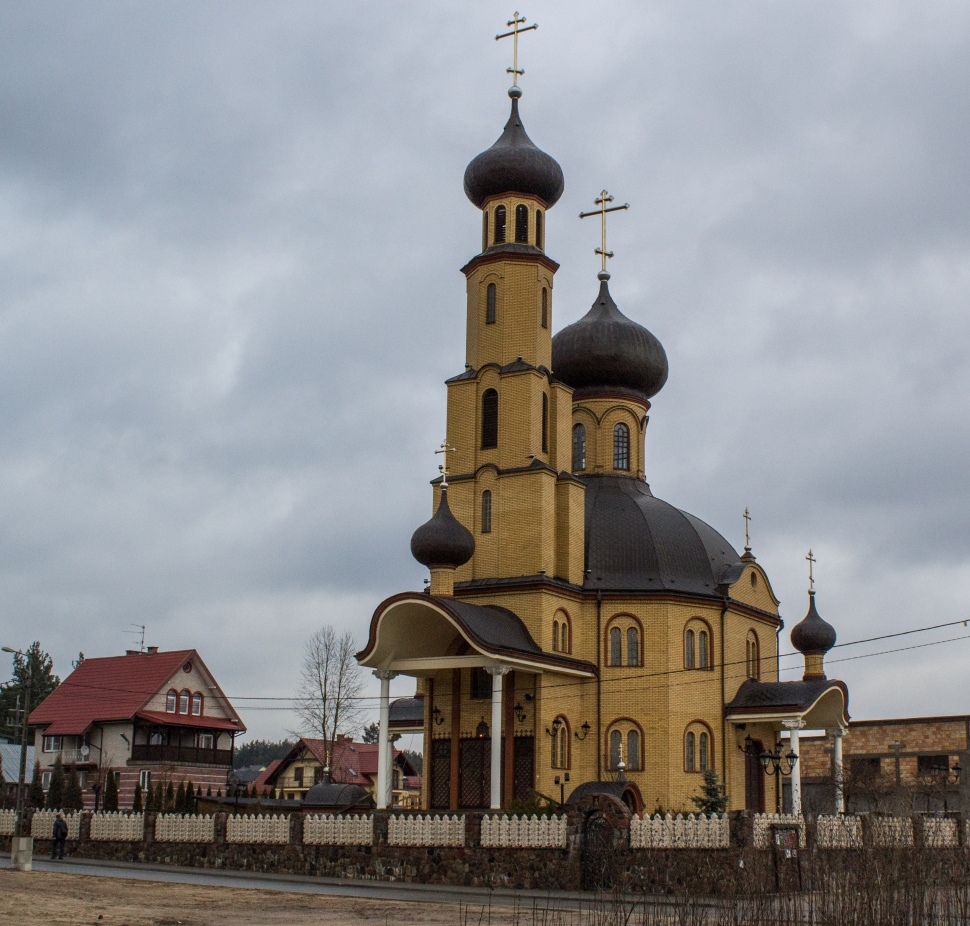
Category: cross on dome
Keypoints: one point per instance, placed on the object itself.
(515, 71)
(811, 579)
(601, 201)
(444, 450)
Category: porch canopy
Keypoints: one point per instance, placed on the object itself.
(419, 634)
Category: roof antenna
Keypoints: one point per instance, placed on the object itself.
(140, 632)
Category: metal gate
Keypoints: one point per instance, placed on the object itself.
(440, 774)
(599, 862)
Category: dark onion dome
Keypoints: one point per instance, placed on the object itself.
(813, 636)
(607, 352)
(637, 542)
(444, 540)
(513, 165)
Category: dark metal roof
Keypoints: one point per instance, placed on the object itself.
(779, 696)
(331, 794)
(444, 540)
(637, 542)
(407, 710)
(513, 165)
(812, 635)
(606, 351)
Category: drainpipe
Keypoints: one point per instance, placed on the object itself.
(599, 684)
(724, 781)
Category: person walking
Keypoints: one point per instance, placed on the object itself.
(58, 837)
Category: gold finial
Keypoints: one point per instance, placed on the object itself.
(747, 535)
(515, 22)
(811, 579)
(601, 201)
(444, 450)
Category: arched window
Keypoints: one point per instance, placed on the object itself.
(489, 419)
(544, 308)
(753, 660)
(690, 760)
(539, 228)
(616, 647)
(560, 743)
(197, 703)
(633, 750)
(689, 660)
(171, 701)
(499, 224)
(490, 297)
(484, 229)
(184, 702)
(632, 647)
(616, 744)
(487, 511)
(555, 636)
(621, 447)
(545, 423)
(522, 224)
(703, 740)
(579, 447)
(564, 637)
(703, 650)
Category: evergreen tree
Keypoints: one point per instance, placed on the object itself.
(109, 797)
(40, 667)
(55, 791)
(371, 733)
(158, 799)
(169, 798)
(189, 798)
(713, 798)
(260, 752)
(73, 799)
(208, 791)
(136, 803)
(180, 798)
(35, 796)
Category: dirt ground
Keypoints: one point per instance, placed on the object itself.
(41, 898)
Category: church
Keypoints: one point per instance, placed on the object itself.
(578, 634)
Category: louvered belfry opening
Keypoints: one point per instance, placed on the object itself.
(500, 221)
(489, 419)
(522, 224)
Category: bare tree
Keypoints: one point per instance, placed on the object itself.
(331, 682)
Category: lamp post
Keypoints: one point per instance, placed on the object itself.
(22, 855)
(562, 781)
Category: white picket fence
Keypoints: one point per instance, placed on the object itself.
(42, 825)
(891, 831)
(260, 828)
(763, 822)
(941, 832)
(838, 832)
(8, 822)
(332, 830)
(680, 832)
(117, 827)
(188, 827)
(427, 830)
(524, 832)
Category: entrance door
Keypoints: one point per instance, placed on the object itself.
(474, 773)
(440, 790)
(754, 778)
(524, 768)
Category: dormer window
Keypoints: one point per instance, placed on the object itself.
(522, 224)
(499, 225)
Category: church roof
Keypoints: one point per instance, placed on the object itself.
(637, 542)
(779, 697)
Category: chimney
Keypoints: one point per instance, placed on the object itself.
(152, 650)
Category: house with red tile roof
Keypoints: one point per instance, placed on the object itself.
(350, 763)
(147, 717)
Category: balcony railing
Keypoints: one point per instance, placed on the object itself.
(181, 755)
(76, 756)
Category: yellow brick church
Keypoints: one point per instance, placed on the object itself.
(576, 627)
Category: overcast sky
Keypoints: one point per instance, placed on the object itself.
(230, 241)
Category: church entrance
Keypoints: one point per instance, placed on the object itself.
(474, 772)
(754, 778)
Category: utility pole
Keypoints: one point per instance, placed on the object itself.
(22, 856)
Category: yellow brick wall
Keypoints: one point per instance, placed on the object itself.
(600, 417)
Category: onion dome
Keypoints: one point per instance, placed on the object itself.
(513, 165)
(813, 636)
(606, 351)
(444, 540)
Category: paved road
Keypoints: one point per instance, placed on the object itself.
(300, 884)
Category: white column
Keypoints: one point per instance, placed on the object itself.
(498, 674)
(383, 755)
(837, 771)
(793, 726)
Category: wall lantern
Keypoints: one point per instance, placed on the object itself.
(585, 728)
(481, 731)
(519, 712)
(556, 726)
(437, 717)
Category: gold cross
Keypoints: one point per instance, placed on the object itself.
(444, 450)
(747, 524)
(514, 22)
(811, 562)
(603, 199)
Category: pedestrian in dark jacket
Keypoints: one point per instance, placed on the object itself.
(58, 837)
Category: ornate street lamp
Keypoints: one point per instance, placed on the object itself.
(774, 763)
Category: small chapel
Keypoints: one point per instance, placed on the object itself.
(578, 634)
